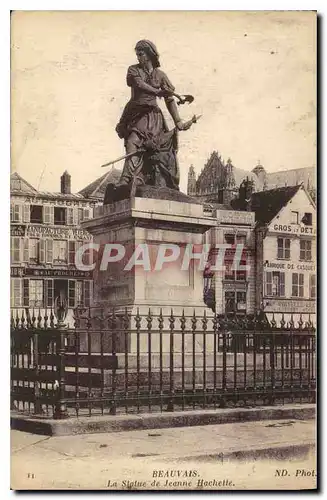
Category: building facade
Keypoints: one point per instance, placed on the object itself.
(285, 252)
(45, 236)
(229, 280)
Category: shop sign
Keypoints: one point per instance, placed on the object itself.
(293, 229)
(57, 232)
(290, 306)
(234, 217)
(58, 273)
(17, 272)
(17, 230)
(289, 266)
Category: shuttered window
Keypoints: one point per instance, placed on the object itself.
(16, 295)
(297, 285)
(49, 251)
(70, 216)
(71, 252)
(48, 292)
(27, 213)
(15, 249)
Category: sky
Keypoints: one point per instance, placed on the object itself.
(253, 76)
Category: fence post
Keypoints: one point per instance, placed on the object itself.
(170, 406)
(61, 407)
(272, 354)
(61, 313)
(35, 340)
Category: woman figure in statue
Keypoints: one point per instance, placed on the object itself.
(142, 125)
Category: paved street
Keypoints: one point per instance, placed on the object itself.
(265, 454)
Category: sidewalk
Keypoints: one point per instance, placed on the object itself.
(123, 422)
(226, 456)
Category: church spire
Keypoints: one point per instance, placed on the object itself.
(191, 182)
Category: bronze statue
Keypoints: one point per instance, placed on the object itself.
(151, 148)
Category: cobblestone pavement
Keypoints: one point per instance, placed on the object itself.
(249, 455)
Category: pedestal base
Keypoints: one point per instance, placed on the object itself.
(155, 273)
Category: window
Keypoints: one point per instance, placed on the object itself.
(283, 248)
(33, 250)
(49, 251)
(241, 274)
(15, 184)
(87, 214)
(229, 302)
(48, 293)
(16, 213)
(230, 239)
(87, 293)
(312, 286)
(229, 272)
(48, 212)
(26, 302)
(305, 249)
(80, 215)
(71, 252)
(16, 292)
(15, 246)
(238, 239)
(294, 217)
(36, 214)
(60, 251)
(307, 219)
(235, 301)
(84, 214)
(79, 293)
(297, 285)
(60, 216)
(35, 293)
(241, 301)
(70, 216)
(26, 213)
(275, 284)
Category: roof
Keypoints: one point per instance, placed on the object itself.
(97, 188)
(267, 204)
(292, 177)
(58, 195)
(18, 185)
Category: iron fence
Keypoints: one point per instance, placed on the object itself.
(114, 361)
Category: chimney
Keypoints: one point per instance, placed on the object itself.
(65, 181)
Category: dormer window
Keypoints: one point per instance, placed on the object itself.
(294, 217)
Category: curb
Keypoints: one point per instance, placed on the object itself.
(285, 451)
(119, 423)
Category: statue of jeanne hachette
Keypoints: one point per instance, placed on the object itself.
(151, 149)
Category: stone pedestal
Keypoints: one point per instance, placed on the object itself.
(141, 226)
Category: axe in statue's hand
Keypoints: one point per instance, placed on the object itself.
(181, 99)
